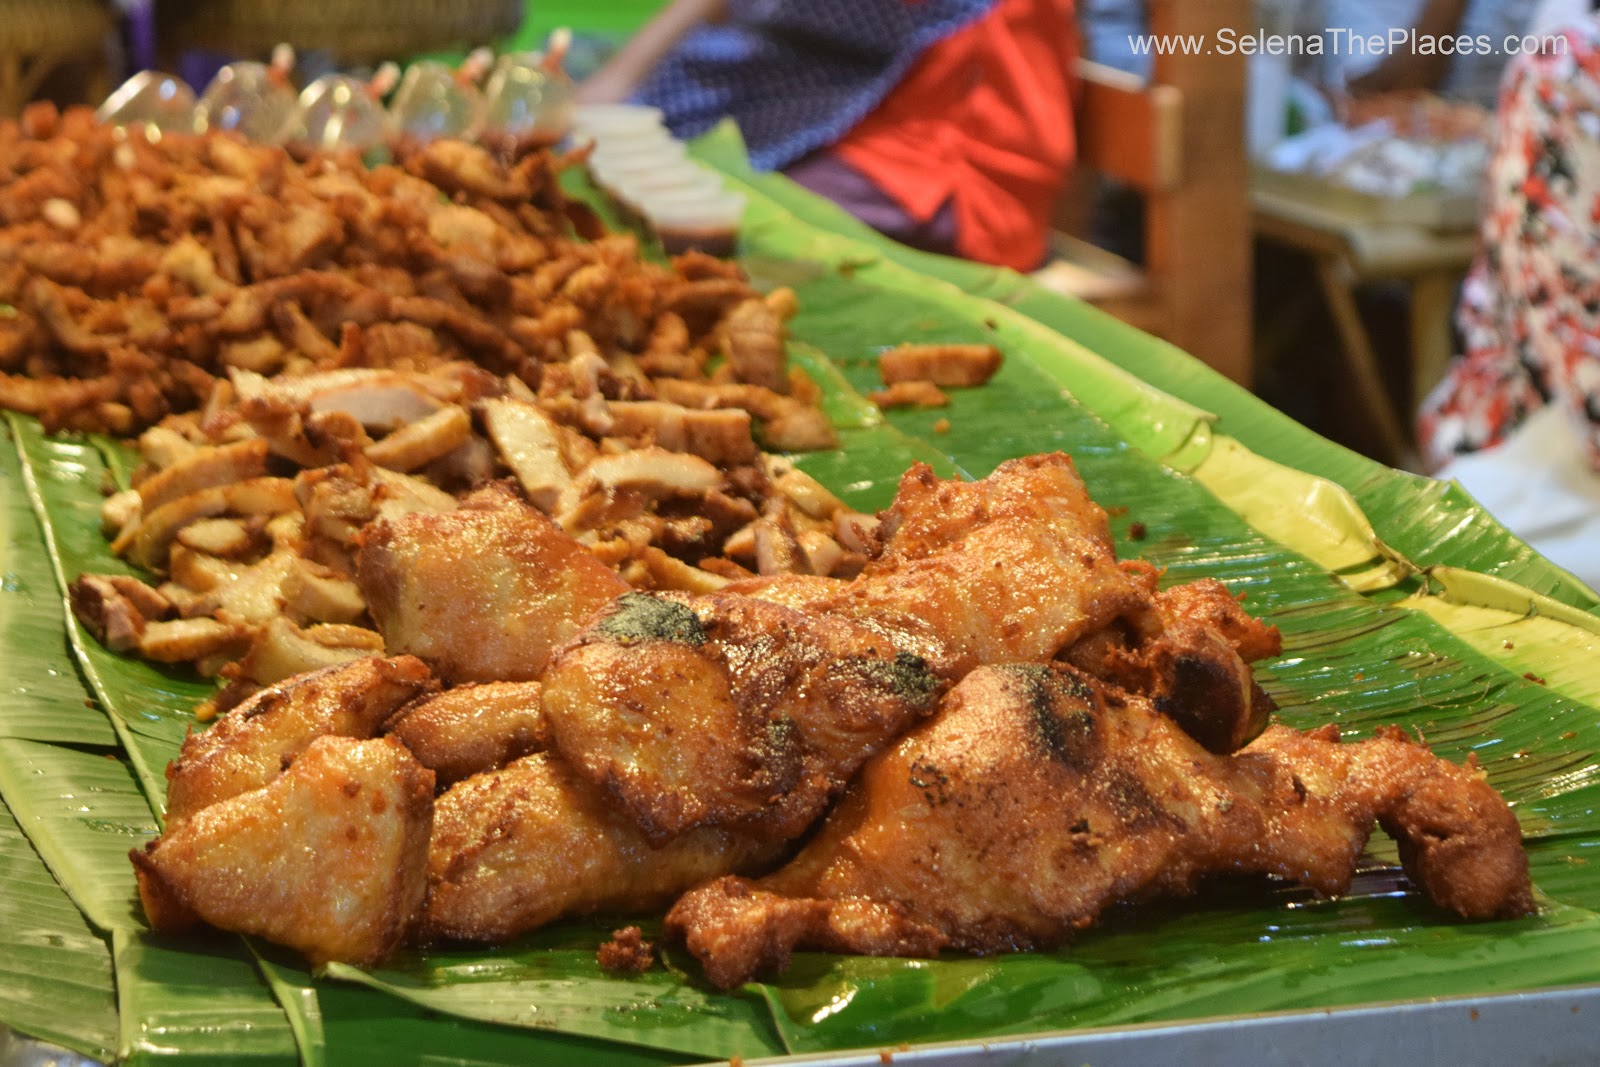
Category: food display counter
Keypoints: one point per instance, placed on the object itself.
(1399, 603)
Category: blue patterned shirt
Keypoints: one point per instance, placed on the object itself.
(796, 75)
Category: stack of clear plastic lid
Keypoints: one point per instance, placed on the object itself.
(255, 100)
(159, 103)
(528, 102)
(435, 100)
(648, 173)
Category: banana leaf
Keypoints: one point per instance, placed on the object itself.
(55, 971)
(1359, 651)
(150, 708)
(553, 976)
(32, 702)
(196, 997)
(88, 814)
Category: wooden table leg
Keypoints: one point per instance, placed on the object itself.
(1337, 280)
(1433, 298)
(11, 99)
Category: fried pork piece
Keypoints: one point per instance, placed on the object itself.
(516, 848)
(359, 814)
(948, 365)
(484, 593)
(1037, 798)
(1012, 568)
(473, 728)
(910, 395)
(728, 710)
(250, 746)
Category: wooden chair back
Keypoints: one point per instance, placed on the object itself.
(1178, 141)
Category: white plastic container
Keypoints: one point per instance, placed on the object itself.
(252, 99)
(434, 102)
(613, 165)
(598, 120)
(703, 222)
(687, 178)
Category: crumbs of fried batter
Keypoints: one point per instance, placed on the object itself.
(627, 952)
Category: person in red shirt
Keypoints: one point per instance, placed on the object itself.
(946, 124)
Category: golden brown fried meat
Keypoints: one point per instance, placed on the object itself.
(473, 728)
(1037, 798)
(1196, 667)
(251, 745)
(484, 593)
(1009, 569)
(1210, 603)
(950, 365)
(726, 710)
(359, 814)
(516, 848)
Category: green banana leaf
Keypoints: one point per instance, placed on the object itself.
(55, 971)
(554, 975)
(1353, 577)
(94, 815)
(151, 709)
(196, 997)
(30, 607)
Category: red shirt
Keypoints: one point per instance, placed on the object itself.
(983, 120)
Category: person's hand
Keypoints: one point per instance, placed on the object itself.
(1413, 70)
(622, 73)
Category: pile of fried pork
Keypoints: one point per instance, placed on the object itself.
(481, 519)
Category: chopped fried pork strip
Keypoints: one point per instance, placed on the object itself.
(348, 888)
(140, 273)
(910, 395)
(944, 365)
(1037, 798)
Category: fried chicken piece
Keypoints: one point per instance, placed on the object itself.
(726, 710)
(484, 593)
(1037, 798)
(1020, 567)
(251, 745)
(1209, 602)
(359, 814)
(516, 848)
(1009, 569)
(1196, 668)
(473, 728)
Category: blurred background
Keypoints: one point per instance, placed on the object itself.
(1301, 218)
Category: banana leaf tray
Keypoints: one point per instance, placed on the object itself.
(1399, 599)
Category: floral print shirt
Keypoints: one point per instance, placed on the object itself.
(1530, 308)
